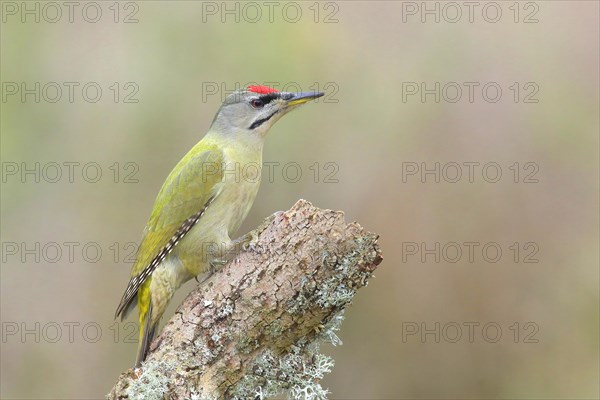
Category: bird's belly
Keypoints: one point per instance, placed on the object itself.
(213, 231)
(236, 203)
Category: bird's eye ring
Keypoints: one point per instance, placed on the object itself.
(257, 103)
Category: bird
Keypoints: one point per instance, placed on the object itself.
(202, 203)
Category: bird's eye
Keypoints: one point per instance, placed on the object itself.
(257, 103)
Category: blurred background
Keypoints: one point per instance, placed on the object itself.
(465, 135)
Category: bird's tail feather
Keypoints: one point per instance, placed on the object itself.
(147, 333)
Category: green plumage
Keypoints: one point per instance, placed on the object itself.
(195, 179)
(201, 204)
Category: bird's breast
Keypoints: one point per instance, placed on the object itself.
(242, 174)
(236, 194)
(234, 203)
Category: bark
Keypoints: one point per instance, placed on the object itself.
(253, 329)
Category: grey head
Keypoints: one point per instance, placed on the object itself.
(256, 108)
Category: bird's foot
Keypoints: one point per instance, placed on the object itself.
(216, 264)
(250, 240)
(251, 243)
(213, 266)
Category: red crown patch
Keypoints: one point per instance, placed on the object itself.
(261, 89)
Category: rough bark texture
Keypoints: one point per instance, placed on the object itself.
(253, 329)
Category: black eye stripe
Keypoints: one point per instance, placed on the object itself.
(267, 98)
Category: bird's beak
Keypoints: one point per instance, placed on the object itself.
(303, 97)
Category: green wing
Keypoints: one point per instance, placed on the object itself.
(186, 194)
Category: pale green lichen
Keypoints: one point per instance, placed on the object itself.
(194, 395)
(328, 333)
(204, 351)
(246, 345)
(333, 293)
(302, 301)
(226, 310)
(152, 383)
(297, 372)
(275, 329)
(339, 289)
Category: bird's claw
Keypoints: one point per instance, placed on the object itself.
(216, 264)
(251, 243)
(213, 266)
